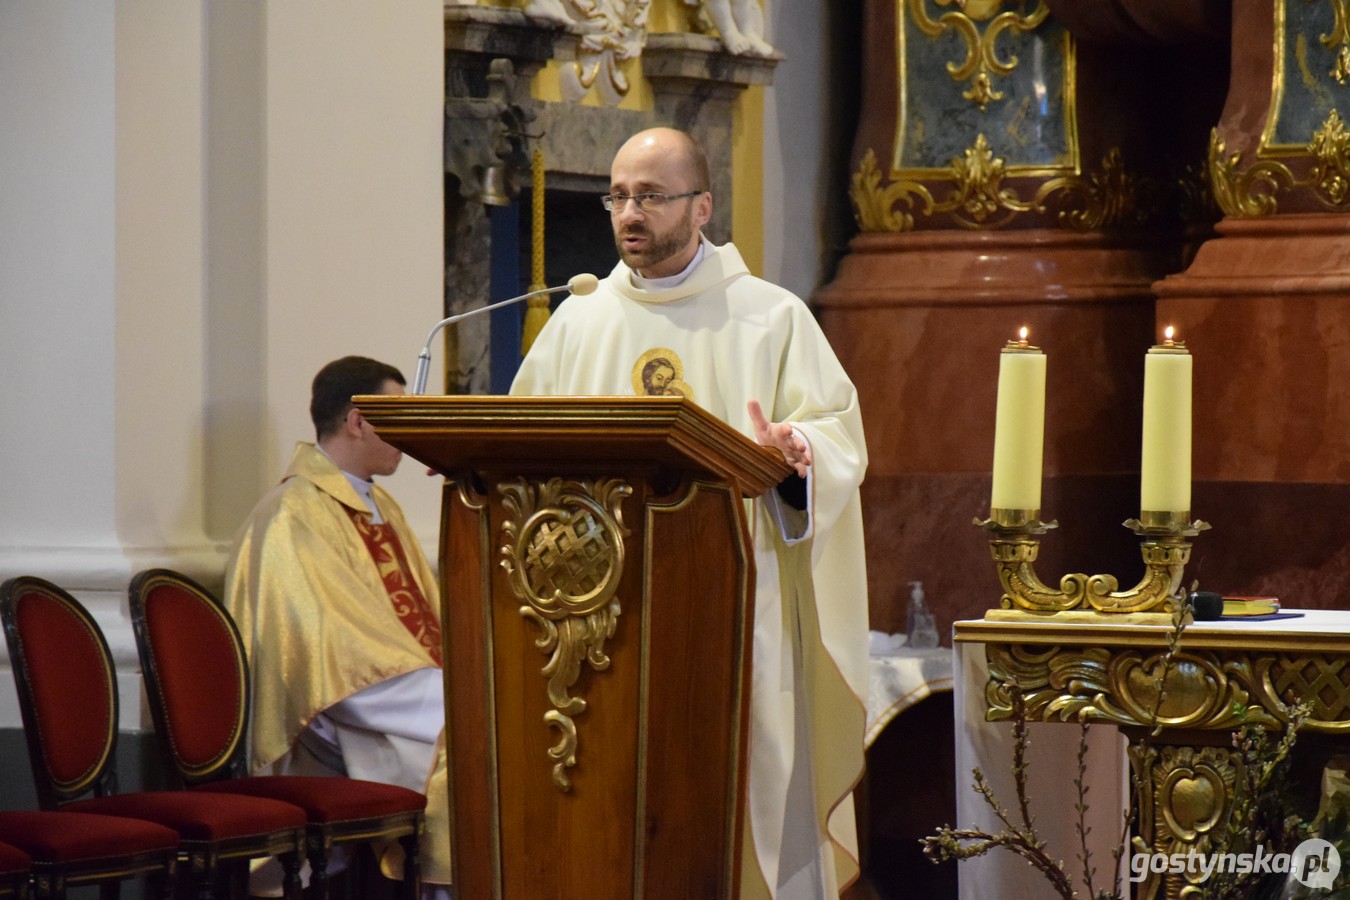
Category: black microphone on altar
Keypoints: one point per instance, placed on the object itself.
(580, 285)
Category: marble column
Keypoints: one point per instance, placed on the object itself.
(1008, 173)
(1265, 308)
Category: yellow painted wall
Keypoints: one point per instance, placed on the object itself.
(747, 166)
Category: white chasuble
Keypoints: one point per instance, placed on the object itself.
(722, 338)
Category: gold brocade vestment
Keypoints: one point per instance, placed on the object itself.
(318, 623)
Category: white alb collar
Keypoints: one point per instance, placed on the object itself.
(670, 281)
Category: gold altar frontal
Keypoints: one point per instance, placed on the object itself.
(1080, 666)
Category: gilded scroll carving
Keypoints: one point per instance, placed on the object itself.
(980, 198)
(1093, 684)
(1193, 789)
(1254, 191)
(1245, 194)
(978, 25)
(1338, 39)
(562, 549)
(1331, 166)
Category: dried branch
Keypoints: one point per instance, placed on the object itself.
(1081, 787)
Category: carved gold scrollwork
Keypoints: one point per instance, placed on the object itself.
(1246, 194)
(562, 549)
(1189, 795)
(876, 207)
(1331, 166)
(982, 60)
(1165, 553)
(1093, 684)
(1338, 39)
(979, 198)
(1023, 588)
(1254, 192)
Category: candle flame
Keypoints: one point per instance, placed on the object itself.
(1022, 333)
(1168, 333)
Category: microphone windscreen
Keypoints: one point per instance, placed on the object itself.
(583, 284)
(1206, 606)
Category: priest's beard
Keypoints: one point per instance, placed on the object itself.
(661, 245)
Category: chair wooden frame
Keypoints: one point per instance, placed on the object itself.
(215, 831)
(224, 767)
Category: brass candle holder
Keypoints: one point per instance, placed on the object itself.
(1015, 543)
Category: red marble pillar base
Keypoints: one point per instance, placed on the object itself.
(918, 320)
(1265, 309)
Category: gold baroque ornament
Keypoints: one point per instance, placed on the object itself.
(1338, 39)
(1192, 791)
(979, 199)
(1254, 192)
(562, 549)
(982, 60)
(1015, 544)
(1331, 169)
(1093, 684)
(1248, 194)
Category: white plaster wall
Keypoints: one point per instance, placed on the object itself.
(201, 202)
(160, 283)
(353, 217)
(57, 292)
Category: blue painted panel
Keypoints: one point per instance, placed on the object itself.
(1029, 127)
(506, 280)
(1311, 92)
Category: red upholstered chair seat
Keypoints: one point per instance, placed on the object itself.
(326, 800)
(226, 818)
(12, 860)
(59, 836)
(14, 871)
(73, 849)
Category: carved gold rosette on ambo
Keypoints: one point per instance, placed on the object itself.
(562, 549)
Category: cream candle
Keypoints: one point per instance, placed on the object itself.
(1165, 460)
(1019, 427)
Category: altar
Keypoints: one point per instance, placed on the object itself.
(1108, 671)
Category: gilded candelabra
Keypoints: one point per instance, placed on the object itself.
(1165, 545)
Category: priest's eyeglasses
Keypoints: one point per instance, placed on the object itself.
(646, 201)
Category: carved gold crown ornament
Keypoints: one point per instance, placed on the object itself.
(562, 549)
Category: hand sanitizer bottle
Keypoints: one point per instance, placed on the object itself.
(922, 629)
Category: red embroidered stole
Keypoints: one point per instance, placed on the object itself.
(410, 604)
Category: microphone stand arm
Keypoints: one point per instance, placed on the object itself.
(424, 358)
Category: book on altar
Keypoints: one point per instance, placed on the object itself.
(1250, 606)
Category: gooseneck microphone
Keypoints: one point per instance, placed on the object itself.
(580, 285)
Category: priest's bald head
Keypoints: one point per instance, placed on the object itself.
(659, 200)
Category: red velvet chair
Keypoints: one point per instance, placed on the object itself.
(196, 674)
(68, 696)
(66, 849)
